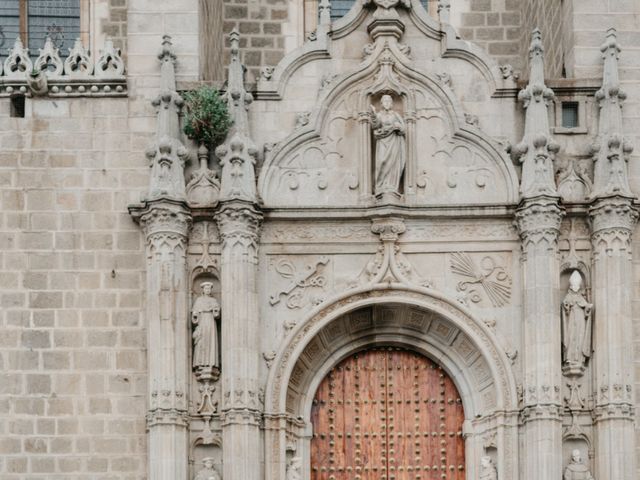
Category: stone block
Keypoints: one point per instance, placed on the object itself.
(36, 240)
(67, 384)
(45, 300)
(10, 384)
(90, 360)
(97, 465)
(43, 318)
(35, 445)
(495, 33)
(36, 339)
(37, 384)
(30, 406)
(21, 426)
(42, 465)
(102, 338)
(10, 446)
(56, 360)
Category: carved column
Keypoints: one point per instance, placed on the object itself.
(166, 226)
(539, 225)
(239, 225)
(613, 217)
(538, 218)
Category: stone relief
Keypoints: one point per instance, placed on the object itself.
(390, 152)
(487, 277)
(208, 472)
(307, 286)
(576, 327)
(294, 469)
(574, 184)
(488, 470)
(204, 316)
(203, 188)
(577, 470)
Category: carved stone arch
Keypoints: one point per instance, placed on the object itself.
(417, 318)
(319, 167)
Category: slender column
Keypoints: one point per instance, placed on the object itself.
(165, 219)
(539, 224)
(166, 226)
(613, 218)
(239, 224)
(538, 218)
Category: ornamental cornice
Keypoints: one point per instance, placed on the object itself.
(614, 411)
(541, 412)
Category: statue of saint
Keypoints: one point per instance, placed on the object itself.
(488, 470)
(576, 326)
(208, 472)
(294, 469)
(205, 334)
(576, 470)
(389, 132)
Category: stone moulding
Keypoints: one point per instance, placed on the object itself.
(79, 75)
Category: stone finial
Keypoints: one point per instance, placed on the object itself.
(18, 62)
(49, 60)
(238, 153)
(611, 150)
(167, 155)
(444, 10)
(109, 63)
(78, 63)
(324, 10)
(537, 149)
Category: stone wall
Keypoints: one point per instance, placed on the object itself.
(72, 337)
(114, 25)
(548, 16)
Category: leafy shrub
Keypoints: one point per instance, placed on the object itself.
(206, 118)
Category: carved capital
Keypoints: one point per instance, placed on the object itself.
(163, 218)
(167, 416)
(614, 411)
(389, 229)
(612, 223)
(239, 225)
(538, 221)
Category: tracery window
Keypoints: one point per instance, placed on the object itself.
(33, 20)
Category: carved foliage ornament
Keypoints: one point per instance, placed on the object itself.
(487, 276)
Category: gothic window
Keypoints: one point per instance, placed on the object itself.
(34, 20)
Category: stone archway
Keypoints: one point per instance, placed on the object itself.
(417, 318)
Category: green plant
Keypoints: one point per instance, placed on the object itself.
(206, 118)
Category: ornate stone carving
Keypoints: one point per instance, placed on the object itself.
(539, 224)
(302, 119)
(612, 223)
(303, 286)
(110, 63)
(204, 316)
(490, 277)
(203, 188)
(472, 120)
(238, 153)
(239, 226)
(167, 155)
(78, 63)
(17, 62)
(390, 154)
(269, 357)
(611, 150)
(576, 470)
(208, 472)
(488, 470)
(49, 61)
(444, 10)
(294, 469)
(574, 400)
(576, 327)
(537, 149)
(574, 184)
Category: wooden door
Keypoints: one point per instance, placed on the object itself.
(387, 414)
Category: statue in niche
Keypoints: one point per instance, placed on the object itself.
(205, 334)
(208, 472)
(576, 327)
(294, 469)
(389, 133)
(488, 470)
(576, 470)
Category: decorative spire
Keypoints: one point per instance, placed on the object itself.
(238, 152)
(611, 150)
(537, 149)
(167, 155)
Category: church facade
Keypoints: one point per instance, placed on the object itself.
(413, 256)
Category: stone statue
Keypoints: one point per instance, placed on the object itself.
(389, 132)
(294, 469)
(208, 472)
(488, 470)
(576, 327)
(205, 334)
(577, 470)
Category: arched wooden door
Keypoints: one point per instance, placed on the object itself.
(387, 414)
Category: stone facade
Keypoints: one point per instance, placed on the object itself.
(300, 255)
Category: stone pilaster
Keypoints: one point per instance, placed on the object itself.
(613, 217)
(239, 225)
(166, 226)
(538, 221)
(613, 220)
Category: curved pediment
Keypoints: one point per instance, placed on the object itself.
(334, 158)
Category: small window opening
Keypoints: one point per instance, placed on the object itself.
(570, 115)
(17, 106)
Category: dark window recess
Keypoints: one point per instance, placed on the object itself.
(339, 8)
(17, 106)
(9, 24)
(570, 115)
